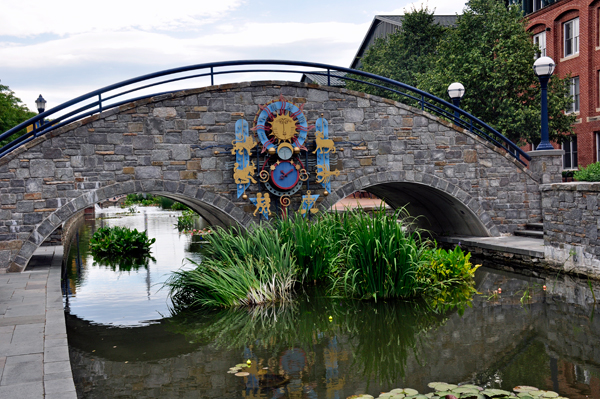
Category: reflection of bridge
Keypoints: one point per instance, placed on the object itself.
(460, 179)
(495, 340)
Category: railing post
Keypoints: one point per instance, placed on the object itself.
(212, 77)
(328, 77)
(100, 102)
(422, 103)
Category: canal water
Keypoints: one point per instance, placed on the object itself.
(125, 343)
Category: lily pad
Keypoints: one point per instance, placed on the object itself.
(494, 393)
(549, 394)
(239, 366)
(524, 388)
(442, 386)
(462, 390)
(397, 391)
(417, 396)
(242, 374)
(410, 392)
(231, 371)
(471, 386)
(430, 394)
(441, 394)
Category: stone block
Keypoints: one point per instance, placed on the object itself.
(148, 172)
(41, 168)
(164, 112)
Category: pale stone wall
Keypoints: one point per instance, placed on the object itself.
(571, 223)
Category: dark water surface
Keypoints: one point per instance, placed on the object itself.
(124, 343)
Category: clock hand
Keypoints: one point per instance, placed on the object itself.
(284, 175)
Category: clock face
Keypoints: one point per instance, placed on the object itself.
(284, 175)
(285, 151)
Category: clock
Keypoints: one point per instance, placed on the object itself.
(285, 151)
(284, 175)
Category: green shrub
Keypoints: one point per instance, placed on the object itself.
(446, 277)
(589, 173)
(120, 241)
(186, 220)
(178, 206)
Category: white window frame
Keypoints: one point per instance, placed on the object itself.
(575, 94)
(571, 37)
(570, 156)
(540, 41)
(537, 3)
(597, 134)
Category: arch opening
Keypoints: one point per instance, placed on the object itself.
(436, 211)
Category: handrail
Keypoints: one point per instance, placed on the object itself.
(427, 102)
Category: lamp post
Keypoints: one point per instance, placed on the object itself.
(41, 107)
(543, 67)
(456, 91)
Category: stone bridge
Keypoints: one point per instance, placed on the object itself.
(176, 145)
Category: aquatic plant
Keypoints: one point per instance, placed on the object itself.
(186, 220)
(120, 241)
(445, 277)
(240, 268)
(383, 253)
(318, 246)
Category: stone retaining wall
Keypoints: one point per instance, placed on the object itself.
(571, 214)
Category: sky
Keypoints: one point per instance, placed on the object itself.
(65, 48)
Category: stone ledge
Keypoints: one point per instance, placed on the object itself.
(571, 186)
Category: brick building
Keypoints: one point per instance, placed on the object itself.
(568, 31)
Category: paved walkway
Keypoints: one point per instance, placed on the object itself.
(512, 244)
(34, 355)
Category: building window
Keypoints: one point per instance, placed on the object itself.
(574, 93)
(571, 34)
(570, 157)
(540, 41)
(537, 5)
(597, 146)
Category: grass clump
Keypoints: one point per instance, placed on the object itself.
(382, 256)
(186, 220)
(240, 269)
(589, 173)
(354, 254)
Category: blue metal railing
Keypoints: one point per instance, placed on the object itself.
(101, 102)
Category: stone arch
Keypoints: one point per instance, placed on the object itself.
(216, 209)
(443, 207)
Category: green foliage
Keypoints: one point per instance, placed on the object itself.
(12, 112)
(382, 255)
(140, 199)
(589, 173)
(443, 277)
(186, 220)
(489, 51)
(318, 246)
(403, 55)
(241, 268)
(115, 241)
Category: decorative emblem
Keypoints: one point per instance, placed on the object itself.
(263, 203)
(282, 158)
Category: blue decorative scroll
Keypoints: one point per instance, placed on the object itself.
(242, 155)
(308, 201)
(323, 171)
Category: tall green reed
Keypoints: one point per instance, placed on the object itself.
(240, 268)
(383, 252)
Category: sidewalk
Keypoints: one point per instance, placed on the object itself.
(34, 355)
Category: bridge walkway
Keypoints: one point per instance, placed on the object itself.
(34, 353)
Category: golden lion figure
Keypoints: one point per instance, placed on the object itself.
(262, 204)
(240, 146)
(323, 144)
(324, 174)
(243, 176)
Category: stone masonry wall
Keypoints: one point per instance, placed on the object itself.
(166, 145)
(571, 223)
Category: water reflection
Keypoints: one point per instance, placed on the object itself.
(523, 336)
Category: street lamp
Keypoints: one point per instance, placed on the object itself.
(456, 91)
(41, 104)
(41, 107)
(543, 67)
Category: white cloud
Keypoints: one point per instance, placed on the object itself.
(62, 17)
(440, 7)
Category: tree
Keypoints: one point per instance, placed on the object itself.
(404, 54)
(12, 112)
(491, 54)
